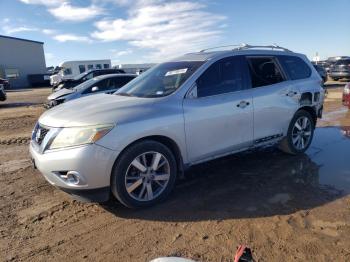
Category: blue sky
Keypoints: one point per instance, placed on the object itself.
(137, 31)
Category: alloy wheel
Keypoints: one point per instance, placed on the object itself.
(301, 133)
(147, 176)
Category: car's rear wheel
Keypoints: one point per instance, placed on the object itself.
(300, 133)
(144, 174)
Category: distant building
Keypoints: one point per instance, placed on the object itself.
(20, 58)
(135, 68)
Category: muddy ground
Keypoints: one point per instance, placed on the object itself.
(285, 208)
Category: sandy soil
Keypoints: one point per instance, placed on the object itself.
(285, 208)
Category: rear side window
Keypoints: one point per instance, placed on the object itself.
(295, 67)
(264, 71)
(224, 76)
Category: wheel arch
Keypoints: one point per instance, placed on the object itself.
(168, 142)
(312, 111)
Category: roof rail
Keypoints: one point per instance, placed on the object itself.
(246, 46)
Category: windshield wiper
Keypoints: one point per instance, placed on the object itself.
(124, 94)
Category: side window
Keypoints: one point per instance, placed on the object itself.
(81, 68)
(88, 76)
(90, 67)
(67, 71)
(224, 76)
(102, 86)
(98, 66)
(105, 65)
(121, 81)
(264, 71)
(295, 67)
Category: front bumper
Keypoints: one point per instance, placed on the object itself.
(92, 163)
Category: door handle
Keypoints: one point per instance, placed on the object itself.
(291, 93)
(243, 104)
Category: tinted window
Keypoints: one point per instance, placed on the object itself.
(105, 65)
(81, 68)
(67, 71)
(90, 67)
(295, 67)
(264, 71)
(223, 76)
(121, 81)
(98, 66)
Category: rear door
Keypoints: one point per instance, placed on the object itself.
(219, 117)
(274, 98)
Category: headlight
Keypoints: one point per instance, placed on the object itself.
(74, 136)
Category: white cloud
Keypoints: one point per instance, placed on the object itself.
(117, 53)
(169, 28)
(49, 31)
(67, 12)
(43, 2)
(71, 38)
(11, 30)
(49, 56)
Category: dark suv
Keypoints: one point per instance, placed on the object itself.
(70, 83)
(341, 69)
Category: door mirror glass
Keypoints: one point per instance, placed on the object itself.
(95, 89)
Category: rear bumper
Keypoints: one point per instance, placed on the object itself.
(339, 74)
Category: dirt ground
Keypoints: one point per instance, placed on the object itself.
(285, 208)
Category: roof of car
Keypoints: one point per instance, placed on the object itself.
(112, 75)
(207, 55)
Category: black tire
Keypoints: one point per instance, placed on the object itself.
(122, 164)
(286, 144)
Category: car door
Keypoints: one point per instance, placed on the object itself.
(218, 113)
(274, 98)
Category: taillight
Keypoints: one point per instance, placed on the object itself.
(347, 89)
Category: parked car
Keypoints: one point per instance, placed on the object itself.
(70, 83)
(341, 69)
(107, 84)
(70, 69)
(346, 95)
(5, 83)
(189, 110)
(322, 72)
(2, 93)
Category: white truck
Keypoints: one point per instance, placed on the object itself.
(70, 69)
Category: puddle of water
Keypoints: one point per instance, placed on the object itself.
(330, 149)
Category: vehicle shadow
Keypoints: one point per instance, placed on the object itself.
(259, 183)
(18, 104)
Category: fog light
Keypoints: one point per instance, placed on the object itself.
(71, 177)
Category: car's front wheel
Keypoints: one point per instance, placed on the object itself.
(144, 174)
(300, 133)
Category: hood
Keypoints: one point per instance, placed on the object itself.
(96, 109)
(59, 93)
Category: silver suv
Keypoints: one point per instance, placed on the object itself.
(192, 109)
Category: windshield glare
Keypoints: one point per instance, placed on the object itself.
(160, 80)
(82, 75)
(85, 84)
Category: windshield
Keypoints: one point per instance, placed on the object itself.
(160, 80)
(85, 84)
(82, 75)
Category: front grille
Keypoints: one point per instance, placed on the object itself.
(39, 134)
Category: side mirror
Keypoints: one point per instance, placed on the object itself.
(94, 89)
